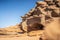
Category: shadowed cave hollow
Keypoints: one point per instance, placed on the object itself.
(36, 26)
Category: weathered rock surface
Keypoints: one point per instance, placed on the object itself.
(45, 13)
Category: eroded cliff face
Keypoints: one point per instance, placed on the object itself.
(42, 13)
(47, 14)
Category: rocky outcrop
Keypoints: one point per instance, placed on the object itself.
(45, 13)
(42, 12)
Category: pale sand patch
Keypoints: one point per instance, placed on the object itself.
(34, 35)
(21, 38)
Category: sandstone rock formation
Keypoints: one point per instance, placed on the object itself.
(41, 13)
(44, 16)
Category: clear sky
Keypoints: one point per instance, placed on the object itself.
(11, 10)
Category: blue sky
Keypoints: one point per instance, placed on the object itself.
(11, 10)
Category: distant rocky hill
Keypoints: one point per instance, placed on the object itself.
(10, 30)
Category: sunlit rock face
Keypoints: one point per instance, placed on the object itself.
(47, 14)
(42, 12)
(52, 29)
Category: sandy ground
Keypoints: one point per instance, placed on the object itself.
(33, 36)
(21, 38)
